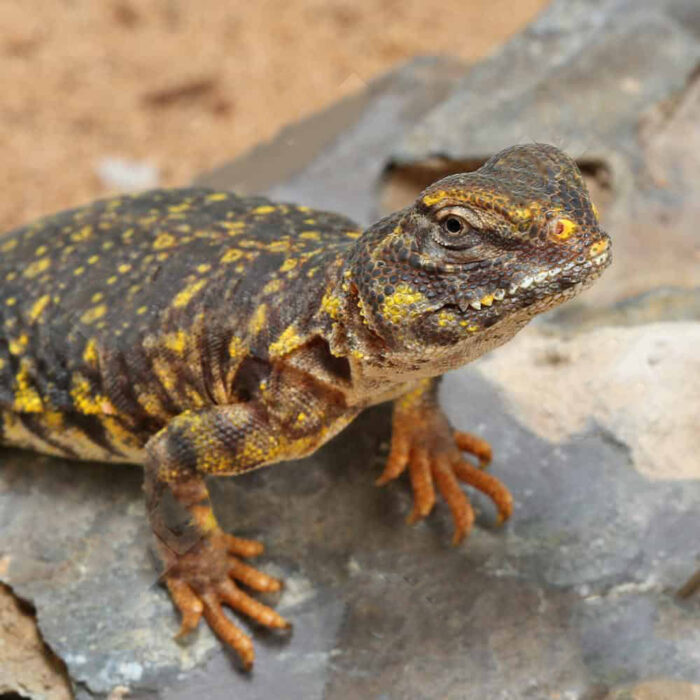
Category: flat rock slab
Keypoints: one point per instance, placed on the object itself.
(576, 593)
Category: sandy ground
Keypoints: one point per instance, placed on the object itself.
(181, 86)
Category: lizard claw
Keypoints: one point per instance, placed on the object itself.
(203, 580)
(426, 446)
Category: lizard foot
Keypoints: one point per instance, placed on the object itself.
(425, 443)
(204, 579)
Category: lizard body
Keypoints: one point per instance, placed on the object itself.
(197, 333)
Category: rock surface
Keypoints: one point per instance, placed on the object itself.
(25, 664)
(593, 431)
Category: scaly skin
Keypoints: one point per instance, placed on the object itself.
(198, 333)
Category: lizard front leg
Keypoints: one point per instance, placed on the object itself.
(203, 565)
(423, 440)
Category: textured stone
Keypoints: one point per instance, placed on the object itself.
(640, 384)
(26, 666)
(657, 690)
(658, 304)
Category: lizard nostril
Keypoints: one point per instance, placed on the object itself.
(598, 247)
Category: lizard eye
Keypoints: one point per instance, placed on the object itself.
(455, 230)
(562, 229)
(454, 226)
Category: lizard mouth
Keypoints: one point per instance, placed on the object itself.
(545, 284)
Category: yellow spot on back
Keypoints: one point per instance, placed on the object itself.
(231, 255)
(82, 235)
(93, 259)
(37, 267)
(264, 209)
(8, 245)
(288, 264)
(185, 296)
(26, 398)
(205, 267)
(274, 285)
(85, 402)
(176, 342)
(93, 314)
(233, 227)
(280, 246)
(217, 197)
(164, 240)
(90, 352)
(257, 321)
(311, 235)
(11, 301)
(38, 307)
(124, 268)
(17, 345)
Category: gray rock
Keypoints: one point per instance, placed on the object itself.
(658, 304)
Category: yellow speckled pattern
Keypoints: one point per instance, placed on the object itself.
(201, 333)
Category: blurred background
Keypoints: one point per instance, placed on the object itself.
(151, 92)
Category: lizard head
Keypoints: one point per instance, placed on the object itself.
(479, 254)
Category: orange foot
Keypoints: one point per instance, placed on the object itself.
(202, 579)
(423, 441)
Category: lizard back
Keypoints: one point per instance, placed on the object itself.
(116, 316)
